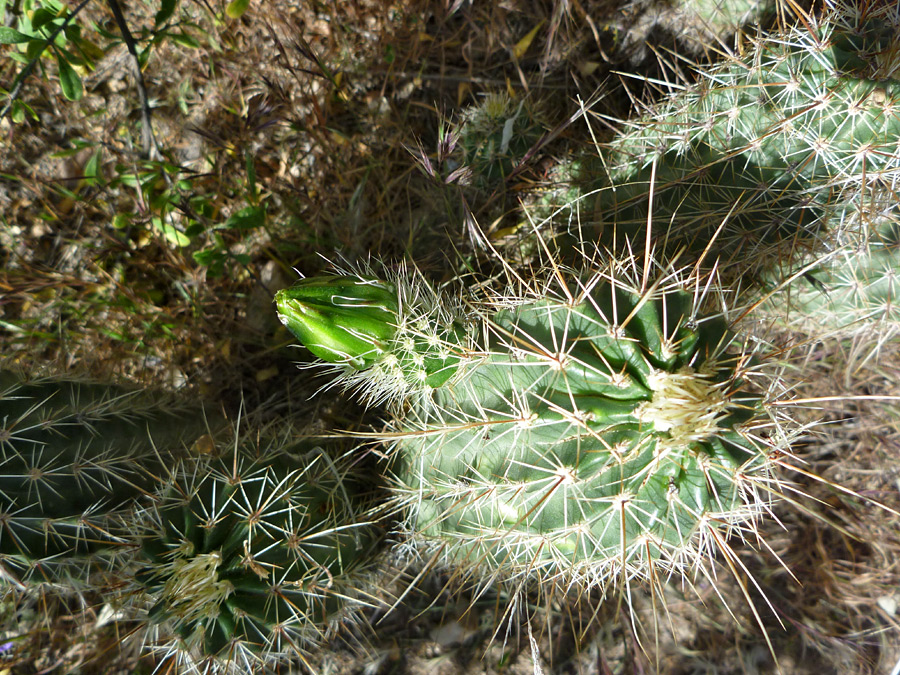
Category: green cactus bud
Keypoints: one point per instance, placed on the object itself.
(398, 339)
(344, 320)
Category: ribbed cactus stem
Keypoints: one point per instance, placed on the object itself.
(75, 457)
(592, 434)
(754, 164)
(495, 135)
(853, 292)
(248, 561)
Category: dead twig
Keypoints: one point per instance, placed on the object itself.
(148, 139)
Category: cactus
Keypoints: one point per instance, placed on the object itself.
(75, 456)
(849, 296)
(248, 560)
(228, 562)
(752, 165)
(697, 26)
(596, 434)
(853, 290)
(495, 136)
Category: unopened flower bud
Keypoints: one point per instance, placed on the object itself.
(341, 319)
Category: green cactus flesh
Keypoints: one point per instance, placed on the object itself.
(851, 292)
(247, 560)
(576, 442)
(74, 456)
(602, 434)
(758, 157)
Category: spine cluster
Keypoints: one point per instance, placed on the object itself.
(230, 554)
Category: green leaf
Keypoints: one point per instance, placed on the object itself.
(60, 39)
(109, 35)
(212, 259)
(18, 112)
(166, 10)
(91, 50)
(78, 146)
(59, 8)
(69, 80)
(250, 165)
(31, 113)
(207, 256)
(236, 8)
(247, 218)
(185, 40)
(92, 167)
(10, 36)
(144, 56)
(73, 59)
(121, 221)
(73, 32)
(202, 206)
(127, 179)
(41, 18)
(194, 229)
(33, 49)
(172, 235)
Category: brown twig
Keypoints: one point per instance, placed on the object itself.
(148, 139)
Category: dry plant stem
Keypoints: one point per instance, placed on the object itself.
(27, 70)
(148, 139)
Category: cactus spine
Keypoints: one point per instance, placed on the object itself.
(75, 456)
(249, 560)
(756, 160)
(596, 434)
